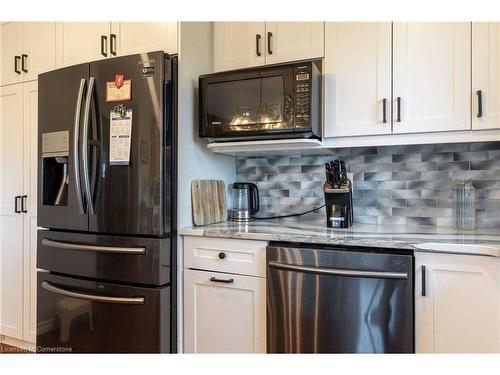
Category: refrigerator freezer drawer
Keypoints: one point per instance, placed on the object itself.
(115, 258)
(82, 316)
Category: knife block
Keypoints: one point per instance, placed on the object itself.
(338, 203)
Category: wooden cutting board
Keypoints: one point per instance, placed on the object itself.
(209, 201)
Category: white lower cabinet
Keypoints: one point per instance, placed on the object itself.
(224, 313)
(224, 295)
(456, 303)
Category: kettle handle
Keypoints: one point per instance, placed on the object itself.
(254, 198)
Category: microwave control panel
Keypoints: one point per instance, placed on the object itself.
(302, 94)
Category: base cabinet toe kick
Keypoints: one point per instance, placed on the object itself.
(267, 297)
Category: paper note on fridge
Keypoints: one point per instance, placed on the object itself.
(116, 93)
(120, 131)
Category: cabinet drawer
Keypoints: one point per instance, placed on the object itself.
(243, 257)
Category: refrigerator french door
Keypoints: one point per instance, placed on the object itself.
(74, 124)
(107, 184)
(60, 113)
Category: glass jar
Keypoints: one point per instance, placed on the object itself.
(465, 205)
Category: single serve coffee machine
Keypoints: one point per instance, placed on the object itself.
(338, 195)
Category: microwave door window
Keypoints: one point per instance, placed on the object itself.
(226, 100)
(246, 105)
(274, 105)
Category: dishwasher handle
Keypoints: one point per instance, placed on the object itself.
(340, 272)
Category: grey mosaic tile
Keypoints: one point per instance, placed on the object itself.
(405, 176)
(470, 156)
(377, 176)
(439, 157)
(454, 166)
(392, 184)
(412, 158)
(405, 194)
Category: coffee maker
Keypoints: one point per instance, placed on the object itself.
(338, 195)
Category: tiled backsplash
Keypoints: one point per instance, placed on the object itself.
(410, 185)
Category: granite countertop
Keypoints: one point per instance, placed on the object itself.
(431, 239)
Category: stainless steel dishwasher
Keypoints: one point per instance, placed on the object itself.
(339, 300)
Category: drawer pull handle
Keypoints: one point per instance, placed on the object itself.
(92, 297)
(222, 255)
(225, 281)
(93, 248)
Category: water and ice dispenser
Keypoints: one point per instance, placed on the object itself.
(55, 156)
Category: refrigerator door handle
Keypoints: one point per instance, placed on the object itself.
(93, 297)
(85, 147)
(76, 147)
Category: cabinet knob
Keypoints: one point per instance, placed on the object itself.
(222, 255)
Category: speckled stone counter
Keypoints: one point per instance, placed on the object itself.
(477, 242)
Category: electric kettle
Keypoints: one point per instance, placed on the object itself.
(244, 201)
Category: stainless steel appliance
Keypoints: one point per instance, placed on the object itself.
(339, 300)
(107, 198)
(244, 201)
(279, 101)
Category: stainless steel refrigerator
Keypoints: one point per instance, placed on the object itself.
(107, 203)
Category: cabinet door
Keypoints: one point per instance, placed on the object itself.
(11, 223)
(431, 76)
(459, 312)
(139, 37)
(289, 41)
(224, 317)
(486, 75)
(79, 42)
(239, 45)
(40, 48)
(357, 73)
(29, 217)
(12, 46)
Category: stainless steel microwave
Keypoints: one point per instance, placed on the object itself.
(269, 102)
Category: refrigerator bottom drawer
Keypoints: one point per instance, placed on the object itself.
(82, 316)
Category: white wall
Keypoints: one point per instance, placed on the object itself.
(195, 161)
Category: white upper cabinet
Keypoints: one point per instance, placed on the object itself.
(431, 76)
(485, 75)
(28, 49)
(289, 41)
(357, 75)
(246, 44)
(79, 42)
(138, 37)
(456, 303)
(12, 49)
(40, 48)
(239, 45)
